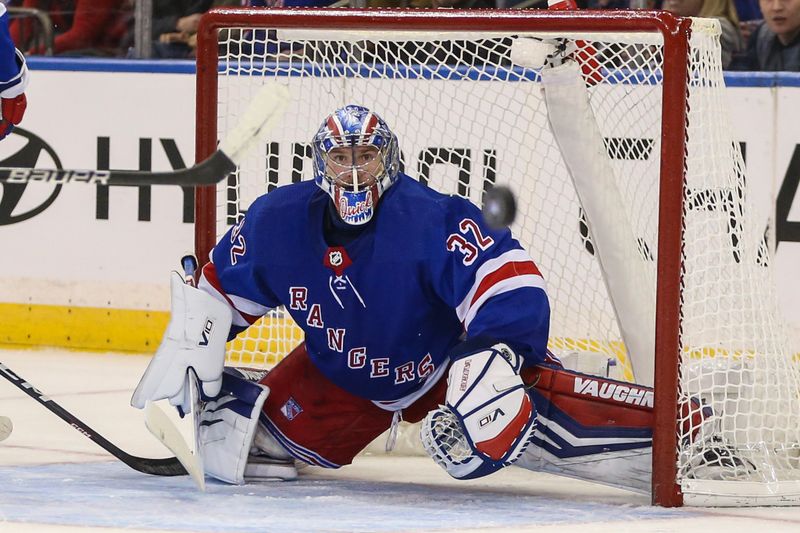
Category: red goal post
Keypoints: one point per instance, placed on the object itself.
(674, 77)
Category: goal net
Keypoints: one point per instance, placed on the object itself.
(631, 197)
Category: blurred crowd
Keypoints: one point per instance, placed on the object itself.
(756, 34)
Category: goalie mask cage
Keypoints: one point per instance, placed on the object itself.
(630, 189)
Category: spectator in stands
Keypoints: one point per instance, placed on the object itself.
(749, 17)
(775, 44)
(82, 27)
(460, 4)
(722, 10)
(175, 25)
(263, 42)
(748, 10)
(622, 4)
(287, 3)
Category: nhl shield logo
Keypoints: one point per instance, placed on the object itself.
(336, 259)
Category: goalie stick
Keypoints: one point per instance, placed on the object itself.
(263, 112)
(164, 429)
(210, 171)
(169, 466)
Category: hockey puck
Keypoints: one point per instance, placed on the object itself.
(6, 427)
(499, 207)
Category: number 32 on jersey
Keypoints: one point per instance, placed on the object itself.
(458, 241)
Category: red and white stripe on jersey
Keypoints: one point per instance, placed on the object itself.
(512, 270)
(245, 311)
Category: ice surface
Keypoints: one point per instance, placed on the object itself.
(110, 494)
(52, 479)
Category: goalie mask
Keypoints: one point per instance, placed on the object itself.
(356, 158)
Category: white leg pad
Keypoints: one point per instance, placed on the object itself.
(227, 430)
(628, 469)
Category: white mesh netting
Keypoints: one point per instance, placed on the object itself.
(467, 115)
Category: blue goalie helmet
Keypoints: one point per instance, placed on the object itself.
(356, 158)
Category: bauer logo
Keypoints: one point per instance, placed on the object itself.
(23, 201)
(609, 390)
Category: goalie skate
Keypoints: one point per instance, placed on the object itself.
(264, 468)
(716, 460)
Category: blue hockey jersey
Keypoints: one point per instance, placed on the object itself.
(381, 313)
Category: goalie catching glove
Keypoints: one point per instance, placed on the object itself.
(195, 338)
(489, 417)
